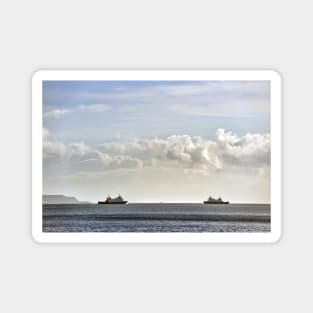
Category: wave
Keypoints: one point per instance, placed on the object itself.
(163, 217)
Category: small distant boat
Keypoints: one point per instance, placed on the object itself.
(117, 200)
(215, 201)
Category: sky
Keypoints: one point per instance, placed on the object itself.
(152, 141)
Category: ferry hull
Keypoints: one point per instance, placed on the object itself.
(212, 202)
(106, 202)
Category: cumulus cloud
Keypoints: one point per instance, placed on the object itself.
(193, 155)
(79, 148)
(199, 155)
(53, 149)
(119, 161)
(81, 157)
(248, 150)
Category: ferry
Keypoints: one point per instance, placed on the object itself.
(215, 201)
(117, 200)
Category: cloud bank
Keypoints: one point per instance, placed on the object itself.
(194, 155)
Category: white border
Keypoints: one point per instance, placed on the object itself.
(270, 75)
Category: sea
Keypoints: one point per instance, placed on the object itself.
(157, 217)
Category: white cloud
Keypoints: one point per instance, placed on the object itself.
(194, 155)
(57, 150)
(79, 148)
(248, 150)
(81, 157)
(55, 113)
(52, 149)
(227, 150)
(95, 108)
(120, 161)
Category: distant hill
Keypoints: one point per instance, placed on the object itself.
(60, 199)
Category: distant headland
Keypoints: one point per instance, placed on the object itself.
(60, 199)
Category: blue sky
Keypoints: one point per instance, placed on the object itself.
(89, 117)
(156, 108)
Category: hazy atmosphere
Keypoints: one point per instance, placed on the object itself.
(152, 141)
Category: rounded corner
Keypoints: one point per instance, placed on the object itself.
(37, 75)
(36, 237)
(276, 75)
(276, 237)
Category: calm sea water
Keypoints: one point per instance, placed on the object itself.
(156, 217)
